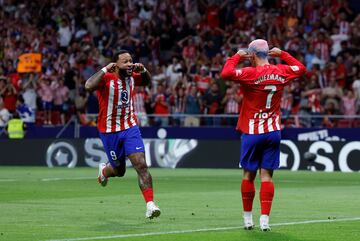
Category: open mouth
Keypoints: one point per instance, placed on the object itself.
(129, 70)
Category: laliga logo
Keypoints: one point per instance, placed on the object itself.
(61, 154)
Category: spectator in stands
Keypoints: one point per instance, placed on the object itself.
(231, 102)
(61, 99)
(203, 80)
(332, 93)
(69, 42)
(26, 113)
(192, 106)
(329, 111)
(141, 97)
(46, 93)
(177, 104)
(212, 103)
(161, 107)
(173, 71)
(8, 93)
(4, 114)
(29, 91)
(312, 94)
(348, 103)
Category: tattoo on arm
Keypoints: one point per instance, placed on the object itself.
(146, 78)
(93, 82)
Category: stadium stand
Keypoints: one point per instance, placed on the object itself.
(183, 44)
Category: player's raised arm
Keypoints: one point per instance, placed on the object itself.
(94, 81)
(144, 73)
(229, 71)
(295, 68)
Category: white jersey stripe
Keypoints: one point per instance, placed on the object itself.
(261, 126)
(110, 106)
(118, 110)
(251, 126)
(277, 123)
(132, 112)
(270, 126)
(127, 87)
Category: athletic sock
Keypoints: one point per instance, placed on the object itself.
(148, 195)
(248, 194)
(266, 197)
(104, 172)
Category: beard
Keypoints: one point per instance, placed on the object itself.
(125, 72)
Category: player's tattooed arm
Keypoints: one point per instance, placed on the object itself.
(145, 74)
(94, 81)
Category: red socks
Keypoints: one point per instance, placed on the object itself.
(148, 195)
(266, 197)
(248, 194)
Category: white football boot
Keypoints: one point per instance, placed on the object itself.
(248, 221)
(152, 211)
(101, 178)
(264, 223)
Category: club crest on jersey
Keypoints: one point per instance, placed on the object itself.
(124, 100)
(124, 97)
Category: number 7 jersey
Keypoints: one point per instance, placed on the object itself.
(262, 88)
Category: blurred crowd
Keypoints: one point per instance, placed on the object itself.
(184, 44)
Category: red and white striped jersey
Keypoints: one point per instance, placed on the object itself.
(262, 88)
(116, 104)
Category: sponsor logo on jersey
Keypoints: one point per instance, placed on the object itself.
(262, 115)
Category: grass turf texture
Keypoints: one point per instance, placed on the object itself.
(34, 205)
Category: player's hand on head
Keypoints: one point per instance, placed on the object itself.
(243, 53)
(275, 52)
(111, 67)
(139, 67)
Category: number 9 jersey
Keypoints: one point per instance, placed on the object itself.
(116, 105)
(262, 87)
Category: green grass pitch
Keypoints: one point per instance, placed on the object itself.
(59, 204)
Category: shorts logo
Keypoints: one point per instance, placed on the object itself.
(124, 97)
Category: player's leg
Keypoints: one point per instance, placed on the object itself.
(116, 155)
(266, 197)
(270, 162)
(248, 194)
(250, 163)
(135, 150)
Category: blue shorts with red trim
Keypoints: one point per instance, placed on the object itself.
(260, 151)
(118, 145)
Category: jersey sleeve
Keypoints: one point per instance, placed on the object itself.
(230, 72)
(294, 68)
(103, 81)
(137, 78)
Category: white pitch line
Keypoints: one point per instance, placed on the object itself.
(70, 178)
(202, 230)
(8, 180)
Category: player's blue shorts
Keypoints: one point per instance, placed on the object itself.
(119, 145)
(260, 151)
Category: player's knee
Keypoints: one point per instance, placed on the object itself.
(121, 172)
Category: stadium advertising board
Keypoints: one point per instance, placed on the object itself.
(181, 153)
